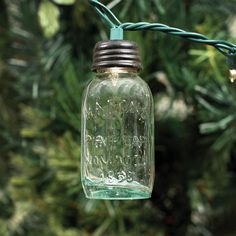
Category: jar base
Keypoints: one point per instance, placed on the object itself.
(116, 192)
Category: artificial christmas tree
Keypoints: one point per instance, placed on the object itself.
(43, 71)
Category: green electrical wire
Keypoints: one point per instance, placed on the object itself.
(117, 28)
(105, 13)
(223, 46)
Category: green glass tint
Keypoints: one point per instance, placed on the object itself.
(117, 137)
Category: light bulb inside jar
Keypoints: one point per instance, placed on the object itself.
(117, 126)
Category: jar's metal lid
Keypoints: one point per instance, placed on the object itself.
(116, 53)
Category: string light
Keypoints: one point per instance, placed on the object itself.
(232, 66)
(117, 112)
(226, 48)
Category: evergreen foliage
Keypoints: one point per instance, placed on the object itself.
(45, 57)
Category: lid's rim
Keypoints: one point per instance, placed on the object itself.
(116, 53)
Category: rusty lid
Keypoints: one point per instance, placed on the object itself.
(116, 53)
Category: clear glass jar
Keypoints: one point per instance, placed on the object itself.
(117, 136)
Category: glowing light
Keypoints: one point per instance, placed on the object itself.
(232, 75)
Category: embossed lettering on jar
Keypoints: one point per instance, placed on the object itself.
(117, 127)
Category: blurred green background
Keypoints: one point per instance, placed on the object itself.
(45, 58)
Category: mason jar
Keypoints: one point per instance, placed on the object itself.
(117, 148)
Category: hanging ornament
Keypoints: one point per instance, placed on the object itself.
(117, 126)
